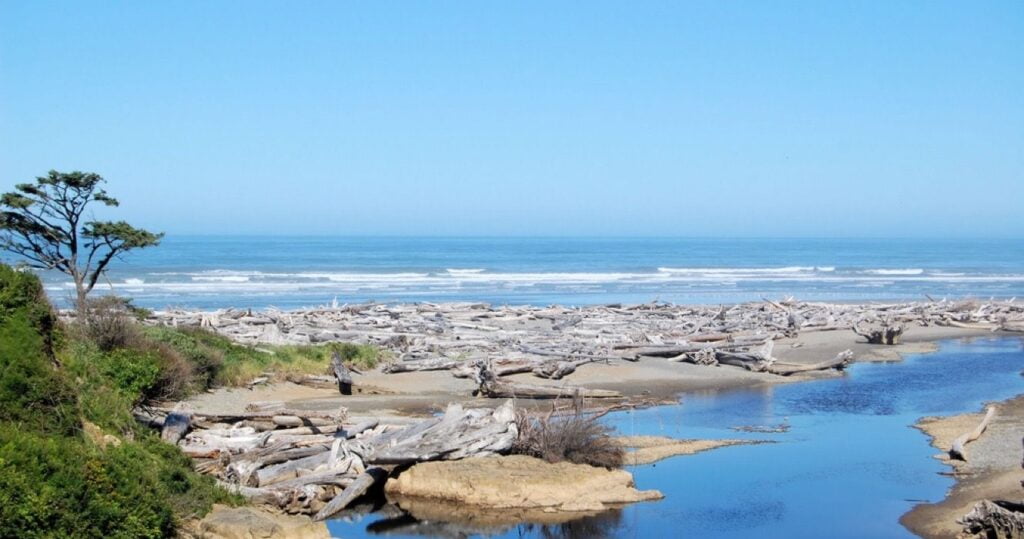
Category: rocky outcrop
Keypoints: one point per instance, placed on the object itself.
(519, 482)
(249, 523)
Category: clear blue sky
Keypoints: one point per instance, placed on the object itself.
(585, 118)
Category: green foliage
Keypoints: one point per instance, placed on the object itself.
(219, 361)
(133, 372)
(205, 359)
(22, 292)
(53, 486)
(112, 383)
(33, 394)
(361, 356)
(41, 223)
(54, 480)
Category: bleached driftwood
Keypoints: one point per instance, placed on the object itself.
(459, 433)
(957, 450)
(551, 341)
(838, 363)
(886, 334)
(357, 488)
(490, 386)
(323, 469)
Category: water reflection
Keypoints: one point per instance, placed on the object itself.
(600, 525)
(848, 452)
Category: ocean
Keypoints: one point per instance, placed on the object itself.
(211, 272)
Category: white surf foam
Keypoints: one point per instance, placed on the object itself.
(907, 271)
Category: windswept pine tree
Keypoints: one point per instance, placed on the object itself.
(43, 223)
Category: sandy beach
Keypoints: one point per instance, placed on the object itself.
(425, 392)
(398, 397)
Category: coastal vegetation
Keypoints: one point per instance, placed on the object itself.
(577, 437)
(73, 459)
(225, 363)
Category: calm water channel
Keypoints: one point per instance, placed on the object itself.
(849, 466)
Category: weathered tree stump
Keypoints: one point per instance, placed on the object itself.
(886, 334)
(176, 425)
(994, 519)
(342, 374)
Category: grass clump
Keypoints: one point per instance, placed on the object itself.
(219, 361)
(574, 437)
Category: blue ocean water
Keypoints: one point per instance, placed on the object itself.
(287, 272)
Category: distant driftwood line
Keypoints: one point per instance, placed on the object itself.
(484, 343)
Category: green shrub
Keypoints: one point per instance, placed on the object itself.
(54, 481)
(23, 292)
(100, 400)
(133, 372)
(217, 360)
(52, 486)
(108, 323)
(33, 393)
(361, 356)
(204, 359)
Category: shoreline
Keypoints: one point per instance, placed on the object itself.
(992, 472)
(404, 395)
(422, 393)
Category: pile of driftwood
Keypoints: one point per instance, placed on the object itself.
(551, 342)
(317, 463)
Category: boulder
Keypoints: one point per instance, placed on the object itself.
(519, 482)
(249, 523)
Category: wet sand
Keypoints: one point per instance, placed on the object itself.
(992, 471)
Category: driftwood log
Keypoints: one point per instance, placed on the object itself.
(459, 433)
(438, 364)
(995, 519)
(886, 334)
(323, 469)
(958, 451)
(838, 363)
(354, 490)
(342, 374)
(490, 386)
(175, 426)
(556, 370)
(550, 341)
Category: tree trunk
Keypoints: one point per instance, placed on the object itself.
(81, 295)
